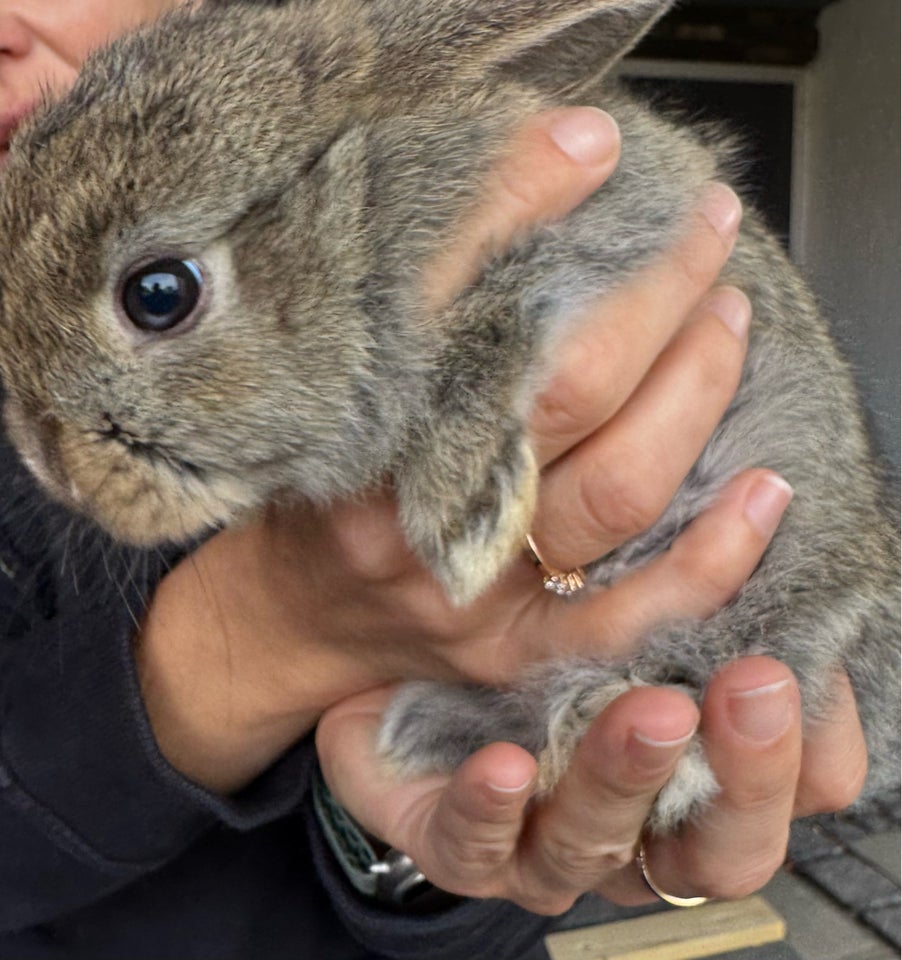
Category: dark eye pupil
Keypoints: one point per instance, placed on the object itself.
(162, 294)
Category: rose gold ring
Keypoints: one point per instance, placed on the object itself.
(563, 583)
(642, 861)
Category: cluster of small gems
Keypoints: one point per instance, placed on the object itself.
(564, 584)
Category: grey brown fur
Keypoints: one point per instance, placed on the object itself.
(312, 156)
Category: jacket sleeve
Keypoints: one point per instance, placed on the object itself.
(88, 805)
(87, 802)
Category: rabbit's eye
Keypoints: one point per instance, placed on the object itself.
(162, 294)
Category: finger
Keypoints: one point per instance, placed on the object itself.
(460, 830)
(752, 729)
(702, 571)
(467, 844)
(553, 163)
(345, 738)
(834, 756)
(616, 483)
(602, 362)
(588, 830)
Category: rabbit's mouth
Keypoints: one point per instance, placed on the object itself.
(148, 450)
(137, 491)
(143, 493)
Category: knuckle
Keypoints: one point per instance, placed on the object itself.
(758, 797)
(617, 857)
(561, 410)
(835, 789)
(567, 860)
(697, 265)
(730, 874)
(476, 857)
(368, 551)
(710, 573)
(616, 502)
(581, 864)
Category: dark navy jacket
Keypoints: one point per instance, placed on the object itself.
(108, 853)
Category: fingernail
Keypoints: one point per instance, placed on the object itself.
(766, 503)
(732, 307)
(586, 134)
(722, 209)
(655, 755)
(762, 714)
(510, 791)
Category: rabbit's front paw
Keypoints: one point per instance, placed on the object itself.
(468, 529)
(433, 727)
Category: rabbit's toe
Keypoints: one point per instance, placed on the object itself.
(572, 699)
(691, 787)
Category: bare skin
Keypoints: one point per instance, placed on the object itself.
(306, 617)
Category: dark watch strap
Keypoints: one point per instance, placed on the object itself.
(376, 870)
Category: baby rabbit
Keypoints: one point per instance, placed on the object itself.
(209, 296)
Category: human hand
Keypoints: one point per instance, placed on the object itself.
(478, 833)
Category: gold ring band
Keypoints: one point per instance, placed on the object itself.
(564, 583)
(642, 861)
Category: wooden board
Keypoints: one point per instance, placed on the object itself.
(684, 934)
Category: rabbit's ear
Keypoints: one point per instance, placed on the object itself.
(555, 44)
(574, 57)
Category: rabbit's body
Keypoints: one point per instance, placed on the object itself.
(311, 195)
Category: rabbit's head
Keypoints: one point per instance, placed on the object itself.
(200, 239)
